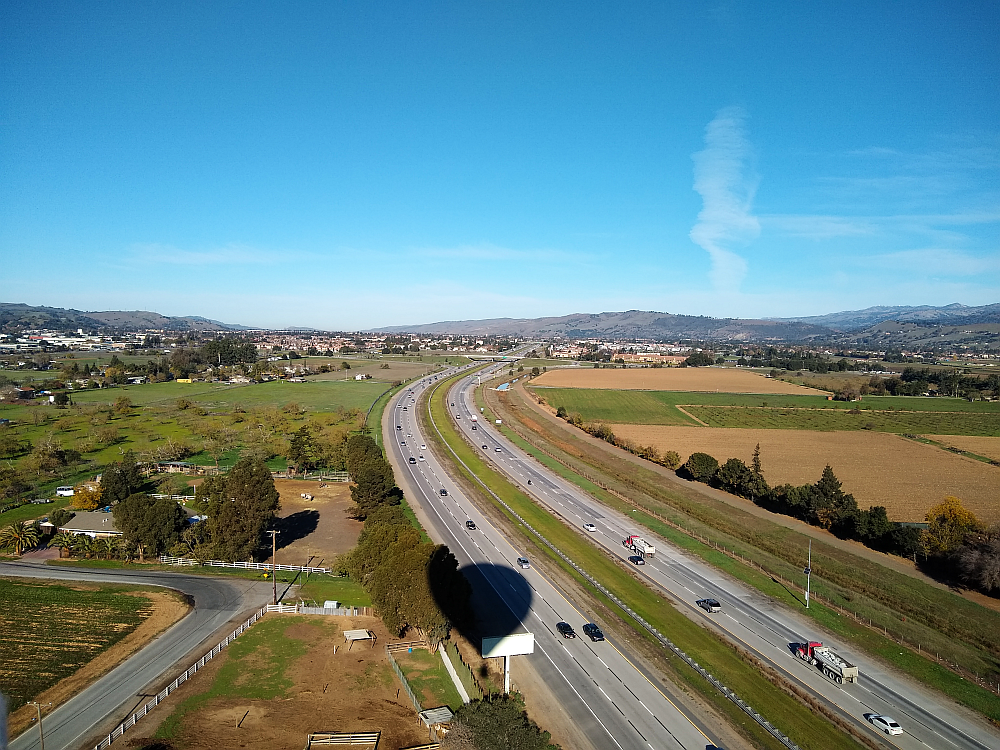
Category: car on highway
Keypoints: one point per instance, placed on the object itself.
(589, 527)
(565, 630)
(402, 442)
(444, 493)
(458, 416)
(486, 447)
(593, 632)
(886, 723)
(420, 458)
(412, 460)
(399, 427)
(405, 408)
(523, 562)
(474, 427)
(498, 450)
(452, 403)
(423, 447)
(636, 560)
(471, 525)
(709, 605)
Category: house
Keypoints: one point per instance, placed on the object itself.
(137, 380)
(96, 524)
(24, 393)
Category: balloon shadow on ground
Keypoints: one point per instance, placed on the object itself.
(497, 602)
(296, 526)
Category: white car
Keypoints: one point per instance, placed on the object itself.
(886, 723)
(423, 447)
(420, 458)
(590, 527)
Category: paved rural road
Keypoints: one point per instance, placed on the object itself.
(107, 702)
(612, 701)
(928, 719)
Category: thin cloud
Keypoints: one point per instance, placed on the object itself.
(154, 253)
(938, 262)
(487, 251)
(727, 190)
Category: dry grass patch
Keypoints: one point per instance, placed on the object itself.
(877, 468)
(723, 380)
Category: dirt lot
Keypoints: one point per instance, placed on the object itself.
(373, 367)
(672, 379)
(348, 691)
(877, 468)
(989, 447)
(315, 530)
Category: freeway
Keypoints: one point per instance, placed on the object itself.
(102, 705)
(747, 618)
(610, 699)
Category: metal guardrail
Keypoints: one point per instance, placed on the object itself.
(167, 560)
(771, 729)
(131, 720)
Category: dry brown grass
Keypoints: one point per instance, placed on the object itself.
(711, 379)
(988, 447)
(877, 468)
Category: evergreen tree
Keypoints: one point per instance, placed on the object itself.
(240, 514)
(120, 480)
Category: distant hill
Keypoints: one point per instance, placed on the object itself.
(855, 320)
(15, 316)
(627, 325)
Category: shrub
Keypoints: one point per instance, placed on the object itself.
(700, 467)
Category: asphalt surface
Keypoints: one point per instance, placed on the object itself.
(596, 683)
(928, 720)
(112, 698)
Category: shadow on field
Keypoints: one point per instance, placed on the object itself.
(296, 526)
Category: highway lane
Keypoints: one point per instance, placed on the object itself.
(748, 618)
(596, 682)
(102, 705)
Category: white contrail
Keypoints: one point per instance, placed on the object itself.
(727, 191)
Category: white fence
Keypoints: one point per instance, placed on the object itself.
(167, 560)
(173, 497)
(130, 721)
(300, 609)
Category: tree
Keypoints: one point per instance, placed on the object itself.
(500, 723)
(948, 525)
(302, 450)
(88, 496)
(151, 525)
(734, 477)
(217, 442)
(699, 359)
(60, 517)
(700, 467)
(61, 400)
(19, 537)
(978, 562)
(829, 506)
(121, 479)
(63, 541)
(239, 515)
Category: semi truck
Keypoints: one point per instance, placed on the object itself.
(639, 545)
(832, 664)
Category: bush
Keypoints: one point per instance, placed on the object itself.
(700, 467)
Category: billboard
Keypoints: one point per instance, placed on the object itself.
(509, 645)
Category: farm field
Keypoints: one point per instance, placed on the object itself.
(904, 414)
(726, 380)
(49, 631)
(828, 420)
(877, 468)
(283, 679)
(988, 447)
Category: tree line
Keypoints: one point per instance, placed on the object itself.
(955, 545)
(412, 583)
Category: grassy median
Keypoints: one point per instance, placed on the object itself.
(738, 671)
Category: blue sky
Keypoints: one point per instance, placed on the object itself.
(348, 165)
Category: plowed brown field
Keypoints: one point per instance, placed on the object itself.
(906, 477)
(981, 446)
(712, 379)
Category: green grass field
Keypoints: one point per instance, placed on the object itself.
(899, 414)
(428, 679)
(49, 631)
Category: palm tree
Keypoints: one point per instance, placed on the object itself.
(19, 537)
(107, 547)
(64, 540)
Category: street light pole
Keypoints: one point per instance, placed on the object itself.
(274, 567)
(38, 710)
(808, 571)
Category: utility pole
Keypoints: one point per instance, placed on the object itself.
(38, 710)
(808, 571)
(274, 567)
